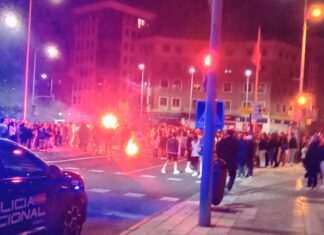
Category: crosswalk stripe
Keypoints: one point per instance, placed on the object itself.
(98, 190)
(138, 195)
(71, 168)
(169, 199)
(148, 176)
(120, 173)
(97, 171)
(174, 179)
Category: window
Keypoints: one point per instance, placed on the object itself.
(126, 32)
(177, 67)
(18, 162)
(164, 84)
(196, 87)
(166, 48)
(126, 46)
(79, 99)
(125, 60)
(140, 23)
(249, 87)
(246, 104)
(278, 108)
(283, 108)
(176, 84)
(178, 49)
(165, 66)
(175, 102)
(227, 87)
(261, 88)
(163, 101)
(74, 100)
(228, 71)
(227, 105)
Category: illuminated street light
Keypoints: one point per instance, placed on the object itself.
(248, 73)
(192, 71)
(11, 20)
(302, 100)
(208, 61)
(316, 12)
(131, 148)
(52, 52)
(110, 121)
(44, 76)
(142, 67)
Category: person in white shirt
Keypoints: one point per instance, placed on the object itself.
(195, 145)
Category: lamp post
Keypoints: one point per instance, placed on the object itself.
(248, 74)
(51, 52)
(315, 12)
(142, 67)
(192, 71)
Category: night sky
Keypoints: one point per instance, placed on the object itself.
(279, 19)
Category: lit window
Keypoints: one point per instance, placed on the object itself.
(163, 101)
(164, 83)
(140, 23)
(176, 85)
(228, 71)
(196, 87)
(175, 102)
(227, 87)
(227, 105)
(278, 108)
(246, 104)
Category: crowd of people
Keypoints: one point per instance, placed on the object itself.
(241, 151)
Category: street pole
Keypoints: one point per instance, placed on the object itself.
(190, 96)
(247, 95)
(303, 51)
(208, 143)
(34, 78)
(142, 94)
(25, 102)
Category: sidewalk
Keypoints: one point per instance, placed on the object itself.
(274, 201)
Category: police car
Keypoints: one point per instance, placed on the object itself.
(36, 197)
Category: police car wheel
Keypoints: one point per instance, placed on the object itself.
(73, 221)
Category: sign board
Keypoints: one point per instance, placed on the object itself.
(201, 114)
(245, 110)
(257, 110)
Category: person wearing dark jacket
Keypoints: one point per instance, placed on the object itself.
(241, 156)
(250, 153)
(226, 149)
(292, 149)
(283, 144)
(263, 147)
(312, 162)
(273, 149)
(172, 151)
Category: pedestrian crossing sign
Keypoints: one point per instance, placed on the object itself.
(201, 114)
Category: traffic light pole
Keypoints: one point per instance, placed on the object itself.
(208, 141)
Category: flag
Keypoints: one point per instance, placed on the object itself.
(256, 57)
(256, 60)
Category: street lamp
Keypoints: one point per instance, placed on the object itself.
(51, 52)
(10, 20)
(248, 73)
(192, 71)
(315, 12)
(142, 67)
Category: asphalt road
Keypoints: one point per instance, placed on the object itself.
(124, 191)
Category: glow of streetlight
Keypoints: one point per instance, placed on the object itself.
(52, 52)
(208, 61)
(11, 20)
(316, 12)
(44, 76)
(141, 66)
(192, 70)
(302, 100)
(248, 72)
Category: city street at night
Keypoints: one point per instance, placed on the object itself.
(123, 192)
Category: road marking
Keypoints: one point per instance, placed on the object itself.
(190, 202)
(174, 179)
(152, 167)
(98, 190)
(74, 159)
(197, 181)
(148, 176)
(97, 171)
(137, 195)
(125, 215)
(120, 173)
(169, 199)
(71, 168)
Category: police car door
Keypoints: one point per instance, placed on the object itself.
(22, 191)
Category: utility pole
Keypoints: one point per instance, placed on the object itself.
(208, 142)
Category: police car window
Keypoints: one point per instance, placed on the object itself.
(18, 162)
